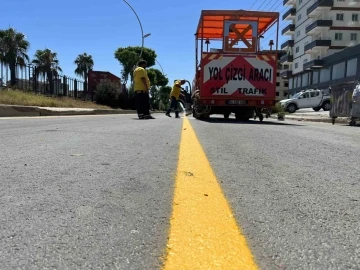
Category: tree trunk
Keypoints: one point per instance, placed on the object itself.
(12, 74)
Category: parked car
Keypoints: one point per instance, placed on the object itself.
(315, 99)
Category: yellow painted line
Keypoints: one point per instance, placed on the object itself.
(203, 231)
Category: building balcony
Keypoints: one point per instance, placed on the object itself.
(286, 59)
(288, 30)
(313, 64)
(287, 44)
(289, 2)
(319, 7)
(290, 14)
(317, 45)
(285, 74)
(317, 26)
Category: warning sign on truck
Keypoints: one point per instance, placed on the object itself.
(238, 76)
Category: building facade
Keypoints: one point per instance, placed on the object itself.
(321, 35)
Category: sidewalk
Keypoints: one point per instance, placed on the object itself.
(23, 111)
(311, 116)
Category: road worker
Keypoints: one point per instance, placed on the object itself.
(174, 96)
(141, 89)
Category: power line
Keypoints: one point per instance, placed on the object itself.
(270, 3)
(281, 25)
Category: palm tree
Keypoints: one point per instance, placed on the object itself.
(47, 64)
(13, 49)
(84, 63)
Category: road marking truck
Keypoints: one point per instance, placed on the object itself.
(238, 77)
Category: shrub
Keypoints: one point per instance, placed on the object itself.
(108, 93)
(277, 108)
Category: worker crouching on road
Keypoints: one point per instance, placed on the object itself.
(174, 96)
(141, 89)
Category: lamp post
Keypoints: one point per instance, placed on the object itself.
(142, 31)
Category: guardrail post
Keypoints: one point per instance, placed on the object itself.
(65, 86)
(75, 89)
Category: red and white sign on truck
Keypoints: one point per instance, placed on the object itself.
(239, 78)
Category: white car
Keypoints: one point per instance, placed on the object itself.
(315, 99)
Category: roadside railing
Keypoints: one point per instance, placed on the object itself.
(28, 78)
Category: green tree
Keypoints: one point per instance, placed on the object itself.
(108, 93)
(47, 64)
(164, 93)
(129, 56)
(13, 50)
(84, 63)
(157, 79)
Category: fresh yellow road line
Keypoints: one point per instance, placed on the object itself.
(203, 231)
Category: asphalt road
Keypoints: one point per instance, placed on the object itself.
(95, 192)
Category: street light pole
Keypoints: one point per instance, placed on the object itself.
(142, 31)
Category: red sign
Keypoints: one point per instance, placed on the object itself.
(238, 76)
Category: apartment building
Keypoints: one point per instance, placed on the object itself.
(319, 30)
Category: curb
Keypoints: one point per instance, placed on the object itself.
(318, 120)
(29, 111)
(18, 111)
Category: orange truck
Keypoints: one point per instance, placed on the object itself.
(238, 77)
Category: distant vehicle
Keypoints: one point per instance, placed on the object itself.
(315, 99)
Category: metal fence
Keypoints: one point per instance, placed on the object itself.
(27, 78)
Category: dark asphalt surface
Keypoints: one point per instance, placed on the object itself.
(95, 192)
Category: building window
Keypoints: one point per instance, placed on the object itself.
(351, 67)
(338, 36)
(297, 49)
(339, 17)
(298, 33)
(305, 60)
(353, 36)
(300, 1)
(277, 83)
(355, 17)
(277, 94)
(296, 65)
(286, 84)
(299, 17)
(277, 74)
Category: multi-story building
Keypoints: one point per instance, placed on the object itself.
(319, 31)
(282, 83)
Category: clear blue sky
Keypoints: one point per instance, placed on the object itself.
(99, 27)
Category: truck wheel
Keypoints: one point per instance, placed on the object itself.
(226, 115)
(326, 106)
(316, 109)
(291, 108)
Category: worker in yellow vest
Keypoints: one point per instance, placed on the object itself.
(174, 96)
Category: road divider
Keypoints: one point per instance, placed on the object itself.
(203, 231)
